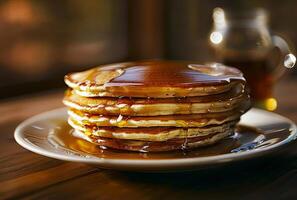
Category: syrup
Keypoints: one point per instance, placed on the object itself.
(173, 74)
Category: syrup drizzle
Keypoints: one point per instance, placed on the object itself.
(157, 73)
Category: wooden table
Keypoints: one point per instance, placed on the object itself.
(30, 176)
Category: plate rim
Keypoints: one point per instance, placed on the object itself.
(178, 162)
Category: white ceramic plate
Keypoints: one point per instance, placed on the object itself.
(276, 131)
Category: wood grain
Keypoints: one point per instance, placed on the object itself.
(25, 175)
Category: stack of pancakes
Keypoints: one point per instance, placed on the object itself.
(155, 105)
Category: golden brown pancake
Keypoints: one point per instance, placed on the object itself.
(154, 79)
(155, 146)
(194, 120)
(149, 133)
(155, 107)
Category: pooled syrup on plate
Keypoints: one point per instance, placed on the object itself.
(244, 139)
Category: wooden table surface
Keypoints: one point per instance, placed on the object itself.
(25, 175)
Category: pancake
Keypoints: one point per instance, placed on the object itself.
(153, 146)
(156, 107)
(154, 79)
(195, 120)
(149, 133)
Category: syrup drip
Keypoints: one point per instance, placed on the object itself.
(184, 146)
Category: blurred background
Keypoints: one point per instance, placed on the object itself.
(41, 41)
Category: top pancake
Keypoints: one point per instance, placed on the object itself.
(157, 79)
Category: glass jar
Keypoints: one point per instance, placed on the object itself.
(242, 39)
